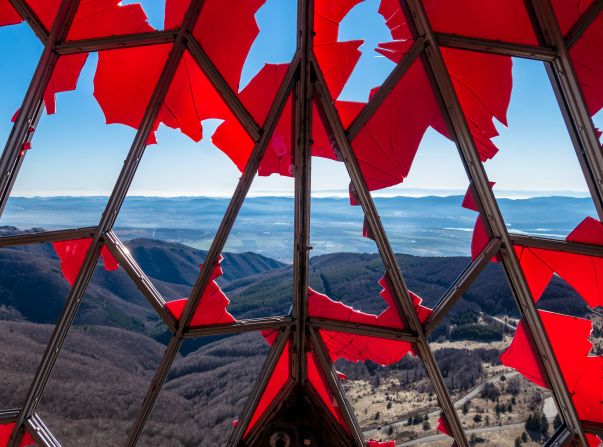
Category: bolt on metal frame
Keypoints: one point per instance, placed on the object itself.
(304, 80)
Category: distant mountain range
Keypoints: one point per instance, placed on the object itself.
(425, 226)
(115, 346)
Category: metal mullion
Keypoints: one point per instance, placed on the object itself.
(120, 190)
(461, 285)
(492, 217)
(568, 91)
(560, 438)
(12, 155)
(138, 276)
(302, 155)
(594, 428)
(229, 96)
(363, 329)
(32, 106)
(582, 24)
(116, 42)
(40, 432)
(540, 53)
(47, 236)
(239, 327)
(335, 385)
(258, 389)
(403, 300)
(388, 85)
(28, 14)
(213, 254)
(557, 245)
(7, 416)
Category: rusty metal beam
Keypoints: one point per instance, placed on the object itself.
(362, 329)
(32, 105)
(109, 216)
(388, 85)
(582, 24)
(491, 216)
(40, 432)
(116, 42)
(571, 99)
(139, 277)
(229, 96)
(461, 285)
(268, 367)
(539, 53)
(557, 245)
(403, 301)
(239, 327)
(347, 412)
(214, 253)
(302, 158)
(31, 18)
(43, 237)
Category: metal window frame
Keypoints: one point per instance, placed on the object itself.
(304, 81)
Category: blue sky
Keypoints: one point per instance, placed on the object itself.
(75, 153)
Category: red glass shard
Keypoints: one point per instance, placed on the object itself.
(226, 31)
(505, 20)
(278, 157)
(444, 426)
(64, 78)
(45, 10)
(190, 100)
(125, 80)
(336, 59)
(99, 18)
(7, 429)
(72, 254)
(278, 379)
(569, 11)
(588, 64)
(522, 356)
(483, 83)
(593, 440)
(211, 309)
(582, 272)
(583, 374)
(386, 146)
(469, 201)
(398, 26)
(8, 14)
(537, 273)
(373, 443)
(359, 348)
(318, 382)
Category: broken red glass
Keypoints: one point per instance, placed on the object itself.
(7, 429)
(569, 339)
(226, 31)
(582, 272)
(8, 15)
(125, 80)
(336, 59)
(319, 383)
(588, 64)
(360, 348)
(505, 20)
(278, 379)
(72, 254)
(569, 11)
(212, 307)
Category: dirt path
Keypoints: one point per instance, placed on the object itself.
(459, 403)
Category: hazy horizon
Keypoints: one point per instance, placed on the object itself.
(340, 193)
